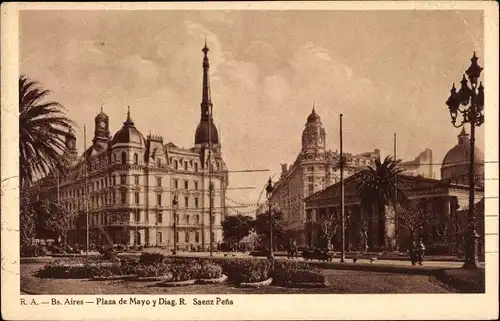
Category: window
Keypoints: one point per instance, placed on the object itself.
(309, 179)
(159, 217)
(158, 162)
(114, 198)
(158, 181)
(213, 219)
(186, 236)
(137, 216)
(197, 219)
(114, 158)
(114, 179)
(136, 179)
(123, 197)
(176, 183)
(136, 198)
(195, 167)
(187, 219)
(185, 165)
(124, 158)
(186, 201)
(136, 159)
(158, 199)
(311, 188)
(213, 236)
(186, 184)
(196, 185)
(197, 237)
(159, 237)
(176, 235)
(176, 164)
(196, 204)
(123, 179)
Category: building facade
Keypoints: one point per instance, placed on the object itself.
(314, 169)
(132, 181)
(446, 208)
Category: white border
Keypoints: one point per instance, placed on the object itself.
(258, 307)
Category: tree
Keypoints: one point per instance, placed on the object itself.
(329, 225)
(261, 225)
(411, 218)
(236, 227)
(27, 219)
(377, 188)
(42, 130)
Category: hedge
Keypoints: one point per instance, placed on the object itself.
(151, 258)
(291, 276)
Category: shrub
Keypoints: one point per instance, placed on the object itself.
(151, 258)
(149, 270)
(246, 270)
(33, 250)
(290, 276)
(184, 272)
(294, 265)
(210, 270)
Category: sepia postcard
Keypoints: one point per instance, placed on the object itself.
(249, 160)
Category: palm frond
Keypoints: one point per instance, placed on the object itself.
(43, 126)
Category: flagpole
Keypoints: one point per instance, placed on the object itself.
(396, 228)
(342, 205)
(86, 188)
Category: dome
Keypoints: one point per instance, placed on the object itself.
(313, 117)
(128, 134)
(201, 135)
(457, 161)
(102, 115)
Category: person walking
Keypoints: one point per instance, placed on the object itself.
(420, 252)
(412, 251)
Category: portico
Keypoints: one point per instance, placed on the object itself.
(445, 203)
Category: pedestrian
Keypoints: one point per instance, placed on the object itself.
(420, 252)
(413, 253)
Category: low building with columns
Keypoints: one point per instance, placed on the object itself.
(132, 180)
(446, 202)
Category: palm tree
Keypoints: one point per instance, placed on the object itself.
(42, 130)
(376, 189)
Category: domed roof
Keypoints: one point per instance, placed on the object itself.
(202, 133)
(128, 134)
(102, 115)
(313, 117)
(460, 153)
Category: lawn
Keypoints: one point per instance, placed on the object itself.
(339, 281)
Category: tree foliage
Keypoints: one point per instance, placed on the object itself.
(377, 187)
(261, 225)
(43, 127)
(236, 227)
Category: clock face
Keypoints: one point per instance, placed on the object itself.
(102, 124)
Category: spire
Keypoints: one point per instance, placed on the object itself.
(129, 121)
(206, 99)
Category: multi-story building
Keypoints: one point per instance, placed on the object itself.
(314, 169)
(420, 166)
(132, 181)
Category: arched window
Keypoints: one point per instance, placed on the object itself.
(124, 157)
(158, 162)
(136, 159)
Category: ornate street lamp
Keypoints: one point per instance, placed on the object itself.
(468, 103)
(175, 205)
(269, 191)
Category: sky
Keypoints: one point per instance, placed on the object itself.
(386, 71)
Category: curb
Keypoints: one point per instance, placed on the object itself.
(257, 284)
(176, 283)
(222, 279)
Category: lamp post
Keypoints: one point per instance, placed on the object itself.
(175, 204)
(469, 103)
(269, 191)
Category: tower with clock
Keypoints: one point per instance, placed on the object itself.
(101, 132)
